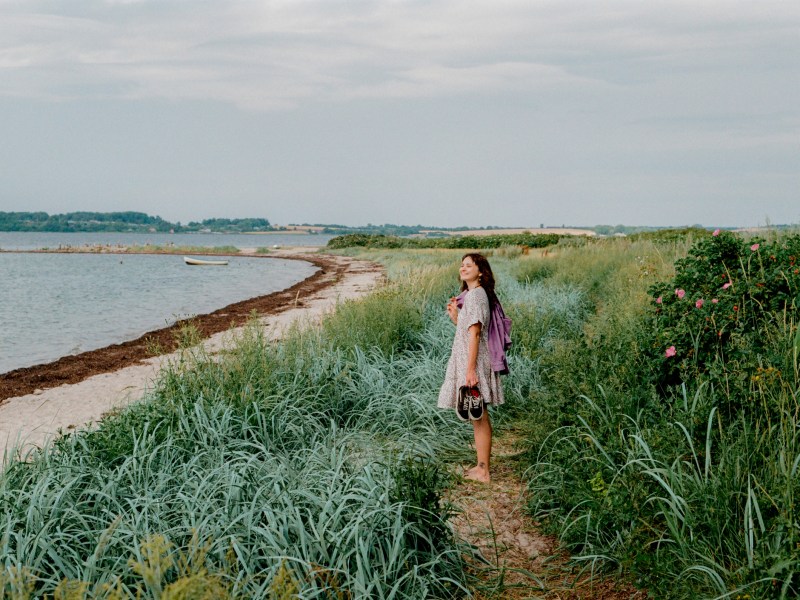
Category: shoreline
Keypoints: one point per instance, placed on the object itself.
(162, 251)
(72, 369)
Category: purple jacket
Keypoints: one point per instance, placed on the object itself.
(498, 335)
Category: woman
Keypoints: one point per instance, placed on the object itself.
(470, 362)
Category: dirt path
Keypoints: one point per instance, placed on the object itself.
(519, 562)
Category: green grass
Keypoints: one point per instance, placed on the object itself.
(664, 488)
(526, 239)
(315, 467)
(274, 457)
(292, 459)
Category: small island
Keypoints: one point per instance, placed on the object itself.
(128, 221)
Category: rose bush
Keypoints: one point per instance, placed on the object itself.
(728, 299)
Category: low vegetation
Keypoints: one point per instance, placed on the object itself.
(664, 441)
(651, 445)
(528, 240)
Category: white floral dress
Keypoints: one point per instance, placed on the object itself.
(475, 310)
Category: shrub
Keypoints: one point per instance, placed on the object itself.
(670, 236)
(718, 317)
(465, 242)
(386, 320)
(418, 485)
(701, 488)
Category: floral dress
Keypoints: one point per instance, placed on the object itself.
(475, 310)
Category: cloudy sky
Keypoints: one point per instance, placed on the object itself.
(434, 112)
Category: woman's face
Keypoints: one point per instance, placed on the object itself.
(469, 271)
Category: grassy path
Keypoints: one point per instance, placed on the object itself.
(515, 560)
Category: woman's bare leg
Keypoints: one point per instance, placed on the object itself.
(483, 447)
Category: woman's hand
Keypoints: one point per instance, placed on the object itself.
(452, 310)
(472, 378)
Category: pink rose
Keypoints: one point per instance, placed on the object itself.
(699, 303)
(658, 300)
(727, 285)
(679, 292)
(714, 301)
(754, 247)
(716, 232)
(670, 352)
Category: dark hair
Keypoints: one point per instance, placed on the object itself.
(486, 276)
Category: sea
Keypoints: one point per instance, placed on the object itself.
(54, 305)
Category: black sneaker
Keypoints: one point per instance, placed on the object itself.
(463, 404)
(470, 398)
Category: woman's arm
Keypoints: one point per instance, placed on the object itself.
(473, 339)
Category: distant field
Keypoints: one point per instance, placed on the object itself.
(281, 232)
(301, 228)
(512, 231)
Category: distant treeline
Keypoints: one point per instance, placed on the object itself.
(369, 229)
(120, 221)
(82, 221)
(530, 240)
(228, 225)
(140, 222)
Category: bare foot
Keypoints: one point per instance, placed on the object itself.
(478, 474)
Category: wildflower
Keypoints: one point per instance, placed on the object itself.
(714, 301)
(699, 303)
(736, 308)
(670, 352)
(716, 232)
(658, 300)
(754, 247)
(727, 285)
(679, 292)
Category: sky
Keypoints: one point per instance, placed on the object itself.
(442, 113)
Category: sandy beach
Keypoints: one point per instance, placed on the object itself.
(76, 391)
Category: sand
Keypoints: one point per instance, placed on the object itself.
(32, 419)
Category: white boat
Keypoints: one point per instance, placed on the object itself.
(197, 261)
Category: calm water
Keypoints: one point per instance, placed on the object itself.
(52, 305)
(33, 241)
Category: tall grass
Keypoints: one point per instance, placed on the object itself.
(314, 467)
(691, 502)
(313, 500)
(292, 463)
(310, 467)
